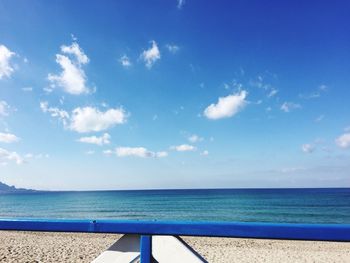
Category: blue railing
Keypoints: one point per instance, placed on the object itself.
(320, 232)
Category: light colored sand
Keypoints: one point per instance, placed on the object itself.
(266, 250)
(16, 246)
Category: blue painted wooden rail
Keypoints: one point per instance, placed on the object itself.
(320, 232)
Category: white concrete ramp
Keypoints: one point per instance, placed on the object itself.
(169, 249)
(125, 250)
(165, 249)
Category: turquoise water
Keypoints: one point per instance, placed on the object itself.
(246, 205)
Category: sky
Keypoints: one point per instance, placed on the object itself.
(174, 94)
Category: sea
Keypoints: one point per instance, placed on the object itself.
(331, 205)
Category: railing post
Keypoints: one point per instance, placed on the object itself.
(146, 249)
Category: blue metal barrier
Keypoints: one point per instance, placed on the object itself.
(320, 232)
(146, 249)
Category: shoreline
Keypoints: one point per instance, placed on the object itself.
(20, 246)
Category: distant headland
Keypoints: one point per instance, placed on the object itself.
(5, 189)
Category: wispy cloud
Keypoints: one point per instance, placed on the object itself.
(72, 79)
(6, 156)
(308, 148)
(343, 141)
(151, 55)
(290, 106)
(27, 89)
(261, 83)
(8, 138)
(172, 48)
(125, 61)
(102, 140)
(108, 152)
(314, 94)
(36, 156)
(183, 148)
(195, 138)
(180, 3)
(140, 152)
(204, 153)
(62, 115)
(226, 106)
(4, 108)
(6, 69)
(319, 118)
(272, 93)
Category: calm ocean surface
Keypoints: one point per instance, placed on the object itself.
(246, 205)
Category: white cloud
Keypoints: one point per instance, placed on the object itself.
(161, 154)
(125, 61)
(184, 148)
(90, 152)
(62, 115)
(72, 79)
(108, 152)
(172, 48)
(195, 138)
(315, 94)
(104, 139)
(151, 55)
(137, 152)
(262, 82)
(319, 118)
(4, 108)
(180, 3)
(343, 141)
(307, 148)
(289, 106)
(226, 106)
(8, 138)
(6, 69)
(272, 93)
(6, 156)
(258, 82)
(89, 119)
(204, 153)
(75, 50)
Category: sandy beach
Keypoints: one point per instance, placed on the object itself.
(17, 246)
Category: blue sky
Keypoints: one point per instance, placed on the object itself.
(174, 94)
